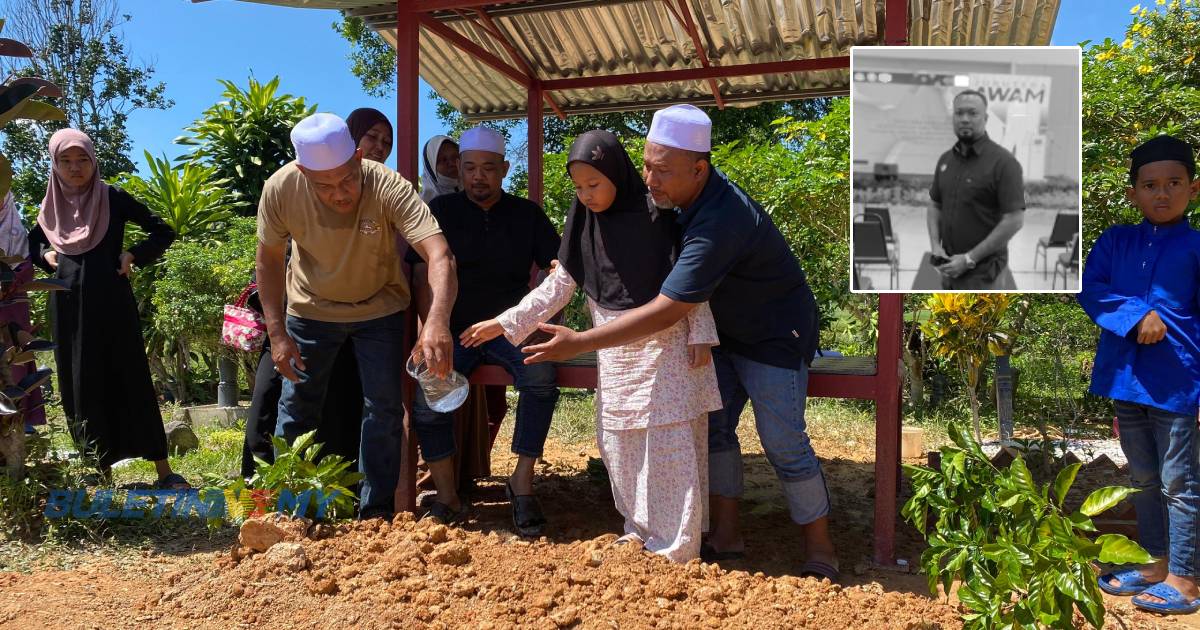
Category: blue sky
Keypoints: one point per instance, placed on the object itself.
(193, 45)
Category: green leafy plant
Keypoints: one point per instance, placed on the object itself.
(967, 328)
(193, 282)
(190, 198)
(1022, 560)
(245, 138)
(297, 468)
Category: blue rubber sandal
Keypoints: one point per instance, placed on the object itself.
(1176, 603)
(1129, 582)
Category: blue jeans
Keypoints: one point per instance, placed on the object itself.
(778, 396)
(535, 407)
(379, 347)
(1163, 450)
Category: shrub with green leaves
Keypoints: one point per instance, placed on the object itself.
(297, 468)
(1020, 558)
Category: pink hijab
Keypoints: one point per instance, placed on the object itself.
(74, 222)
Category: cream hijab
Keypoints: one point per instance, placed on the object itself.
(433, 183)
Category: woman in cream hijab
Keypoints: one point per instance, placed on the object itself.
(440, 173)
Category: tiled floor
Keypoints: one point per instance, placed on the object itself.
(912, 238)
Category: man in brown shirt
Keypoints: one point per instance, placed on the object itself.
(343, 215)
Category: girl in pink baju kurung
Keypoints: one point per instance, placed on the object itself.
(653, 396)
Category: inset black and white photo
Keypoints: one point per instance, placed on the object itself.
(965, 166)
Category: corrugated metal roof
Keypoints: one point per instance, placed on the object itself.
(562, 39)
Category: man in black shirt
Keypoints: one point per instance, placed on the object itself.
(496, 239)
(978, 198)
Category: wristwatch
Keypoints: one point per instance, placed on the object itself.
(970, 261)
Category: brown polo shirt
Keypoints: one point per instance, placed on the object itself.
(975, 185)
(344, 267)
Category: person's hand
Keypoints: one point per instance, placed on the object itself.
(51, 259)
(938, 250)
(553, 265)
(481, 333)
(126, 264)
(285, 354)
(436, 348)
(1151, 329)
(564, 345)
(956, 267)
(699, 356)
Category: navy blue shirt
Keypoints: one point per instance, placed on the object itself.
(494, 251)
(733, 256)
(1131, 270)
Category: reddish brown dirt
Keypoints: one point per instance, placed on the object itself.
(413, 575)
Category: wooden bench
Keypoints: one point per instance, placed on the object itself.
(829, 377)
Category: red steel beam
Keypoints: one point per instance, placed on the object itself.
(534, 122)
(426, 6)
(887, 425)
(490, 26)
(895, 25)
(697, 74)
(684, 15)
(407, 96)
(475, 50)
(407, 100)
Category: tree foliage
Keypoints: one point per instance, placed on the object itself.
(78, 45)
(1134, 90)
(246, 137)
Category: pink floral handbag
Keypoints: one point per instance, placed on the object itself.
(243, 328)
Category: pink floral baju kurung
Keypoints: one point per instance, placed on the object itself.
(651, 416)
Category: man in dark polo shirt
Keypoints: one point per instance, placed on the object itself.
(978, 203)
(733, 257)
(498, 237)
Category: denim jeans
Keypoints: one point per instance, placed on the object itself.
(1163, 450)
(778, 396)
(535, 407)
(379, 347)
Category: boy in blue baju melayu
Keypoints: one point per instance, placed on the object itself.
(1140, 285)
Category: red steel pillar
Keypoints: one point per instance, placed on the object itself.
(536, 137)
(887, 424)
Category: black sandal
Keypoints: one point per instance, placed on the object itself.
(445, 515)
(528, 519)
(173, 481)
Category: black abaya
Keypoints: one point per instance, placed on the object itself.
(104, 379)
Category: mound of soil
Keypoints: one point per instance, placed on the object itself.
(418, 574)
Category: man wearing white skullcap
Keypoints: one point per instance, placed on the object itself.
(496, 237)
(343, 217)
(733, 257)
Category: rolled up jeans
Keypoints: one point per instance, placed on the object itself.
(379, 348)
(778, 396)
(1163, 450)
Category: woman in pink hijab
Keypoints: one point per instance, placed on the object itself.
(104, 378)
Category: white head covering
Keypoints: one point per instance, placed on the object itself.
(322, 142)
(434, 183)
(682, 127)
(481, 139)
(14, 239)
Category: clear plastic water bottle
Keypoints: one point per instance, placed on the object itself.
(441, 394)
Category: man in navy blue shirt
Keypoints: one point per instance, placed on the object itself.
(733, 257)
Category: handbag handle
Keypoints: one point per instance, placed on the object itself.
(241, 301)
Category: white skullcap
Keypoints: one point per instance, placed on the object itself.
(682, 127)
(322, 142)
(481, 139)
